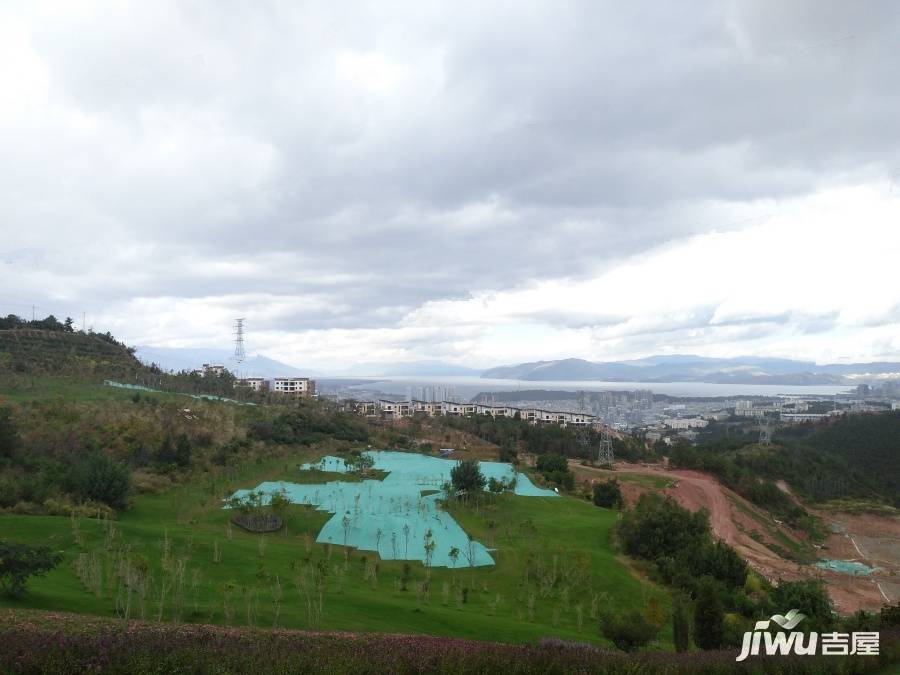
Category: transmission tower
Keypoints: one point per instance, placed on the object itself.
(239, 354)
(765, 435)
(605, 452)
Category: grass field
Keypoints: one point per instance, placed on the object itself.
(556, 567)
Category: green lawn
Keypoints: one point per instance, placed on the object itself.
(555, 562)
(644, 480)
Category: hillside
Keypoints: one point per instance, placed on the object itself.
(130, 485)
(42, 352)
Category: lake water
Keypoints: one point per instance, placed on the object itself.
(467, 386)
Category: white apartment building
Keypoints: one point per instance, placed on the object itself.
(685, 422)
(298, 386)
(253, 383)
(366, 408)
(395, 410)
(211, 369)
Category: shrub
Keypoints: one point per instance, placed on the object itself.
(709, 616)
(508, 452)
(551, 463)
(608, 494)
(681, 628)
(658, 526)
(466, 478)
(629, 631)
(9, 434)
(99, 478)
(810, 597)
(19, 562)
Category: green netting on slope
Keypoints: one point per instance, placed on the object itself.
(139, 387)
(392, 516)
(851, 567)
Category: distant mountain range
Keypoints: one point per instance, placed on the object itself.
(686, 368)
(672, 368)
(412, 369)
(177, 359)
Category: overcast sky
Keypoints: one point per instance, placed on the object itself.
(480, 183)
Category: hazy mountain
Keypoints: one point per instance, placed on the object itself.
(177, 358)
(686, 368)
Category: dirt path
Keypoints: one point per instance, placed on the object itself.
(733, 519)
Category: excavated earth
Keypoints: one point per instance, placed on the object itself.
(767, 543)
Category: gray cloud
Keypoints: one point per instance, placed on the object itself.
(353, 161)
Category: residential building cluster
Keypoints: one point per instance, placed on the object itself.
(301, 387)
(395, 410)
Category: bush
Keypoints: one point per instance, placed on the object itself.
(709, 616)
(508, 452)
(810, 597)
(177, 454)
(9, 434)
(551, 463)
(629, 631)
(681, 627)
(99, 478)
(608, 494)
(658, 527)
(466, 478)
(19, 562)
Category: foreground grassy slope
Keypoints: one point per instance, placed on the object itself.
(520, 599)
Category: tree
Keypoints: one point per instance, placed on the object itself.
(629, 631)
(466, 478)
(551, 462)
(660, 527)
(608, 494)
(346, 523)
(177, 453)
(430, 545)
(556, 470)
(359, 462)
(18, 562)
(508, 451)
(709, 616)
(99, 478)
(454, 556)
(279, 503)
(9, 434)
(810, 597)
(681, 628)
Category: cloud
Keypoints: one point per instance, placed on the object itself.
(343, 174)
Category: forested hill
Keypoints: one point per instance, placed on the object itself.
(855, 457)
(870, 444)
(39, 352)
(52, 349)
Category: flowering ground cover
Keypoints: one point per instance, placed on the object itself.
(43, 642)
